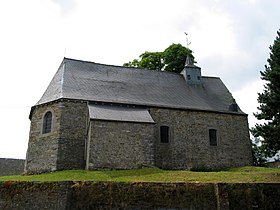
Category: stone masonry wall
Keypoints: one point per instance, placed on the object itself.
(123, 145)
(11, 166)
(112, 195)
(189, 140)
(64, 146)
(32, 195)
(43, 148)
(73, 135)
(120, 145)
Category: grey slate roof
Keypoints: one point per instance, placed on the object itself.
(90, 81)
(118, 113)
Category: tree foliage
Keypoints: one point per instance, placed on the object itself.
(175, 57)
(171, 59)
(269, 103)
(134, 63)
(151, 60)
(258, 153)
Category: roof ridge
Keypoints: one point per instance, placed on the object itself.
(122, 67)
(63, 66)
(213, 77)
(66, 58)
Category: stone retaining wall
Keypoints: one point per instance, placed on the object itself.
(11, 166)
(112, 195)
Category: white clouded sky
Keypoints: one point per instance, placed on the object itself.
(230, 39)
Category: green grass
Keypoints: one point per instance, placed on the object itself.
(237, 175)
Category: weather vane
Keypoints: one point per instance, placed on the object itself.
(188, 43)
(189, 60)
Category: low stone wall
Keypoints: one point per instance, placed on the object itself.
(28, 195)
(11, 166)
(111, 195)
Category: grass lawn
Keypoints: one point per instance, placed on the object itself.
(247, 174)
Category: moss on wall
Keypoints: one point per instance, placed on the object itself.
(112, 195)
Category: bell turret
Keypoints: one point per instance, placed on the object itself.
(191, 72)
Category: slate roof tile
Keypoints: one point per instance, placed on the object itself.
(76, 79)
(118, 113)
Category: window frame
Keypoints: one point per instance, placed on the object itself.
(47, 124)
(213, 142)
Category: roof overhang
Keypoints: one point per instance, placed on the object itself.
(119, 113)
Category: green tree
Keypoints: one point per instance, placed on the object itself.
(269, 103)
(258, 153)
(134, 63)
(148, 60)
(171, 59)
(175, 57)
(151, 60)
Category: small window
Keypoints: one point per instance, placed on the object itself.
(189, 77)
(47, 122)
(164, 134)
(198, 77)
(213, 137)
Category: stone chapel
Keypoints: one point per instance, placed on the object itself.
(96, 116)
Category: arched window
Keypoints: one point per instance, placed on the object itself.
(164, 134)
(47, 122)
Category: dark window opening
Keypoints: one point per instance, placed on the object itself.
(164, 134)
(198, 77)
(213, 137)
(47, 122)
(189, 77)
